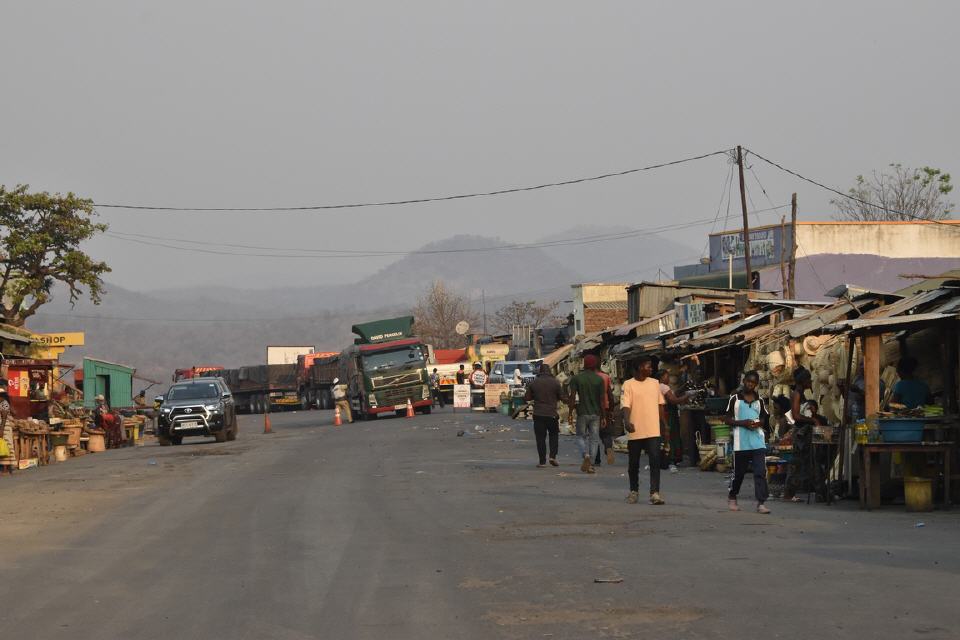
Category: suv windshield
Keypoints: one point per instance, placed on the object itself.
(510, 367)
(195, 391)
(405, 358)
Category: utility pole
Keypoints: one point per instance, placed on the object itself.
(483, 303)
(746, 223)
(792, 267)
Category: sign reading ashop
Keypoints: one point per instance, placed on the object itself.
(75, 339)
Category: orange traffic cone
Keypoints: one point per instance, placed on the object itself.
(337, 421)
(409, 408)
(266, 423)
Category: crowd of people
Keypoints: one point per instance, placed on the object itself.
(648, 410)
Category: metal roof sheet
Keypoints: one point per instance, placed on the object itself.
(16, 337)
(606, 304)
(890, 323)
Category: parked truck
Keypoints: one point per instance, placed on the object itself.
(196, 372)
(260, 388)
(314, 386)
(384, 368)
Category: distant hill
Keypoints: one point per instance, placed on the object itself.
(628, 258)
(158, 331)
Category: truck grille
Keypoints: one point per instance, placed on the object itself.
(398, 396)
(388, 381)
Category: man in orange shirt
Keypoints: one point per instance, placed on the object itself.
(645, 419)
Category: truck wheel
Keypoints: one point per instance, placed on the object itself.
(163, 440)
(176, 440)
(232, 434)
(426, 410)
(220, 436)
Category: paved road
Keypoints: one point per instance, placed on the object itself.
(401, 529)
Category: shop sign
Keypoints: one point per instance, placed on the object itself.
(461, 396)
(762, 244)
(493, 393)
(690, 314)
(75, 339)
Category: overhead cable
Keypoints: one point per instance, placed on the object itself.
(390, 203)
(849, 196)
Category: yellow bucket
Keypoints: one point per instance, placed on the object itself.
(918, 493)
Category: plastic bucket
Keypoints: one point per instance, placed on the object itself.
(719, 432)
(918, 494)
(896, 430)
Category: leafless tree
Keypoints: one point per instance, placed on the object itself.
(527, 314)
(901, 193)
(437, 313)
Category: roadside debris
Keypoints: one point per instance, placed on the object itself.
(608, 580)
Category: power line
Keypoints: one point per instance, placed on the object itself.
(312, 253)
(848, 196)
(390, 203)
(314, 316)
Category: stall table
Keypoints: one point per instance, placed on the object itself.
(870, 476)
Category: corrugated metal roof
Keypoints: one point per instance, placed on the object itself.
(16, 337)
(616, 305)
(890, 323)
(799, 327)
(909, 304)
(557, 355)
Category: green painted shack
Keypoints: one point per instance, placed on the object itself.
(113, 381)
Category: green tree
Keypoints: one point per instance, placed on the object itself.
(40, 237)
(900, 193)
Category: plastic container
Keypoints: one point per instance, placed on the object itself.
(901, 430)
(918, 494)
(719, 432)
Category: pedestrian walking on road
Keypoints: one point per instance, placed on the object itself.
(645, 419)
(606, 419)
(586, 396)
(546, 392)
(435, 389)
(674, 444)
(341, 400)
(748, 416)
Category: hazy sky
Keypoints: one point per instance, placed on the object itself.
(291, 103)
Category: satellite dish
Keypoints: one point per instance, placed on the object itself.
(462, 327)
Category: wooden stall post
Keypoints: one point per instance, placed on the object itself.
(871, 373)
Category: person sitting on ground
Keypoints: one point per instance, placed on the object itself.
(909, 391)
(545, 392)
(748, 416)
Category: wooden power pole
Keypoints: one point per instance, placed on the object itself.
(746, 223)
(792, 265)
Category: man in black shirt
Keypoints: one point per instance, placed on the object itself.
(545, 391)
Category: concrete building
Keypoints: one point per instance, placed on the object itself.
(598, 306)
(870, 254)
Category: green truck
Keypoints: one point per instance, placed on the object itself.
(384, 368)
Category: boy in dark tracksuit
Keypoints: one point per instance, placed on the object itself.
(748, 417)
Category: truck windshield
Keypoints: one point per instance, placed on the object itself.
(404, 358)
(193, 391)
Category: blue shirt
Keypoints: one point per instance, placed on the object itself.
(745, 439)
(913, 393)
